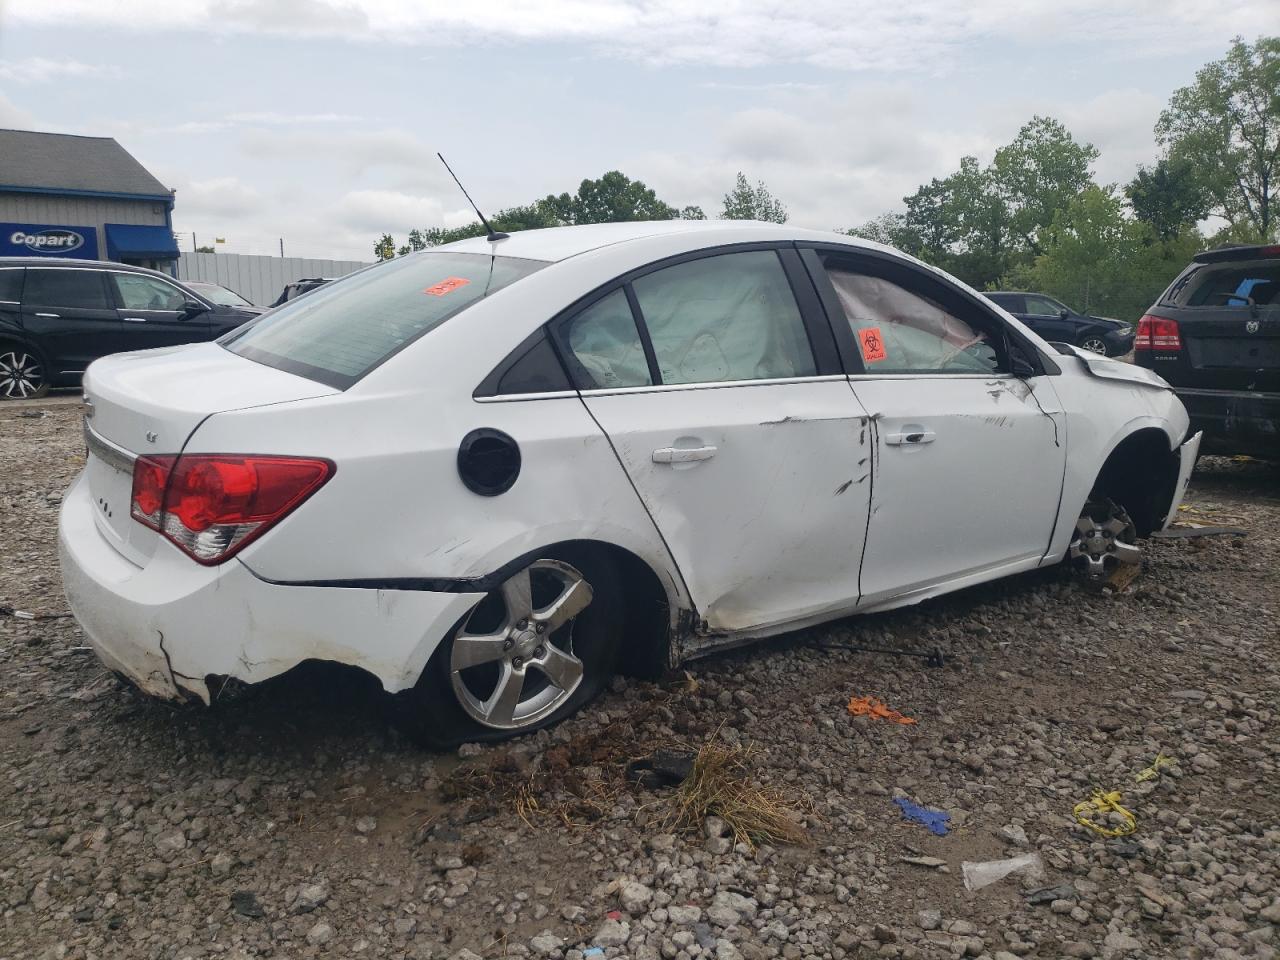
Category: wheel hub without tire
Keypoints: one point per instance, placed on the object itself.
(512, 663)
(1105, 538)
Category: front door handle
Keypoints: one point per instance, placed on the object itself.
(135, 319)
(53, 316)
(911, 434)
(682, 454)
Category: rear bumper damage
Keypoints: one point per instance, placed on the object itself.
(1235, 421)
(169, 625)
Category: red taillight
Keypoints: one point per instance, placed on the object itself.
(1158, 333)
(212, 505)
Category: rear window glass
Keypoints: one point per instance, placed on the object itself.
(1229, 284)
(341, 331)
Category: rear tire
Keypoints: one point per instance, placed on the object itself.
(499, 676)
(23, 374)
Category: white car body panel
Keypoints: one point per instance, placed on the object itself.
(767, 535)
(935, 515)
(772, 453)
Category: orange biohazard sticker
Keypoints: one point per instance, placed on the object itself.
(448, 285)
(872, 344)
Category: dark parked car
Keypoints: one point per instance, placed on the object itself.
(58, 316)
(1215, 336)
(297, 288)
(1058, 323)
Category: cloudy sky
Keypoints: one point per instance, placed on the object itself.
(318, 120)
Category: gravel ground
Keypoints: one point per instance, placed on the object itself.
(290, 821)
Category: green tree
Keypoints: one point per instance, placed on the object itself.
(205, 250)
(614, 198)
(692, 213)
(1226, 126)
(1101, 261)
(1039, 174)
(384, 248)
(1169, 197)
(890, 229)
(745, 202)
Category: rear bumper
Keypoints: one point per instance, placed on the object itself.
(169, 625)
(1187, 454)
(1119, 342)
(1234, 421)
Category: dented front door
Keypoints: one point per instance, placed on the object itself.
(968, 474)
(759, 489)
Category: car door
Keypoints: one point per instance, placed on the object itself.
(69, 315)
(153, 312)
(1044, 316)
(724, 402)
(968, 458)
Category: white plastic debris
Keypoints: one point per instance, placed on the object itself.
(979, 875)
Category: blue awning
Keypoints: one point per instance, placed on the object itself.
(140, 243)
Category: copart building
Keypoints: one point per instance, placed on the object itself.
(84, 197)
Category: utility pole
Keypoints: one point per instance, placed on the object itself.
(282, 248)
(194, 248)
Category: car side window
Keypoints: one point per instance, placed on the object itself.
(901, 330)
(1042, 307)
(605, 345)
(71, 289)
(723, 318)
(10, 285)
(139, 292)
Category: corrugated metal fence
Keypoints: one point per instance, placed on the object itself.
(258, 279)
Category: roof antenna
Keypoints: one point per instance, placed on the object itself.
(493, 234)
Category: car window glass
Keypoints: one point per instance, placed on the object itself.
(339, 332)
(606, 345)
(10, 286)
(1230, 284)
(73, 289)
(139, 292)
(900, 331)
(1042, 307)
(722, 318)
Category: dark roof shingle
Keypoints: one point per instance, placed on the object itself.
(59, 161)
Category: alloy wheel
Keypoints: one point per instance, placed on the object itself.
(21, 375)
(1105, 538)
(512, 663)
(1095, 345)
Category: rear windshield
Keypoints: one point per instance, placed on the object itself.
(1233, 283)
(341, 331)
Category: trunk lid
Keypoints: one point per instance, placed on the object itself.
(149, 403)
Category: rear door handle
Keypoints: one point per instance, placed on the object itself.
(52, 315)
(134, 319)
(912, 435)
(682, 454)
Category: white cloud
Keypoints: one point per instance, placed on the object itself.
(851, 35)
(33, 70)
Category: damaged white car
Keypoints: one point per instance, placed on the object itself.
(495, 473)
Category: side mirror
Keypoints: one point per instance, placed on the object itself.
(193, 307)
(1063, 314)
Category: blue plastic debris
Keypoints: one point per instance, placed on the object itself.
(935, 820)
(593, 952)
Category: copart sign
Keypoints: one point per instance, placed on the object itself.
(48, 240)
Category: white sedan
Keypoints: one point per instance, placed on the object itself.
(492, 474)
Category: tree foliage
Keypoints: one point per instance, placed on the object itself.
(1226, 127)
(745, 202)
(1169, 197)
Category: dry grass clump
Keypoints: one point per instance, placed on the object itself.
(721, 784)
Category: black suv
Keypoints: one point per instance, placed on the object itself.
(1215, 336)
(58, 316)
(1058, 323)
